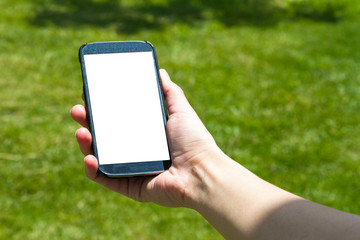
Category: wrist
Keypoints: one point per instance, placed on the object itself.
(232, 198)
(205, 176)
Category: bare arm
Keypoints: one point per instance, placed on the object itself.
(242, 206)
(237, 203)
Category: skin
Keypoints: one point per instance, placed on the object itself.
(236, 202)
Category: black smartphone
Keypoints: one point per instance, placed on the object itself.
(125, 107)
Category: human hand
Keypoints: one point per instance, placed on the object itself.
(235, 201)
(189, 141)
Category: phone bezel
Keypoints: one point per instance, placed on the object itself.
(123, 169)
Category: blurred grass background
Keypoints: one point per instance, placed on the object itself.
(275, 82)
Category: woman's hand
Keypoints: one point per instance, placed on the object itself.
(189, 143)
(236, 202)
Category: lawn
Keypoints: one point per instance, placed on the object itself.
(277, 83)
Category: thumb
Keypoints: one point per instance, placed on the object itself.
(174, 95)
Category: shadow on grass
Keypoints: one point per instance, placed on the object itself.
(155, 15)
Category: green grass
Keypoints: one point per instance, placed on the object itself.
(277, 85)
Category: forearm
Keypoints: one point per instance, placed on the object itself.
(242, 206)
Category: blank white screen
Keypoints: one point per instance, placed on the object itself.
(126, 107)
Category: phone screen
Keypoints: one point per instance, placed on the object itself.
(126, 108)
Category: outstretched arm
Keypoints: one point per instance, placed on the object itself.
(240, 205)
(237, 203)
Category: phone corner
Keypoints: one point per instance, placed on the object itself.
(81, 48)
(150, 44)
(103, 172)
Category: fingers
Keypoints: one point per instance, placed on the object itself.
(78, 113)
(91, 171)
(84, 139)
(130, 187)
(175, 98)
(91, 167)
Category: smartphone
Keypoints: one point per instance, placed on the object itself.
(125, 108)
